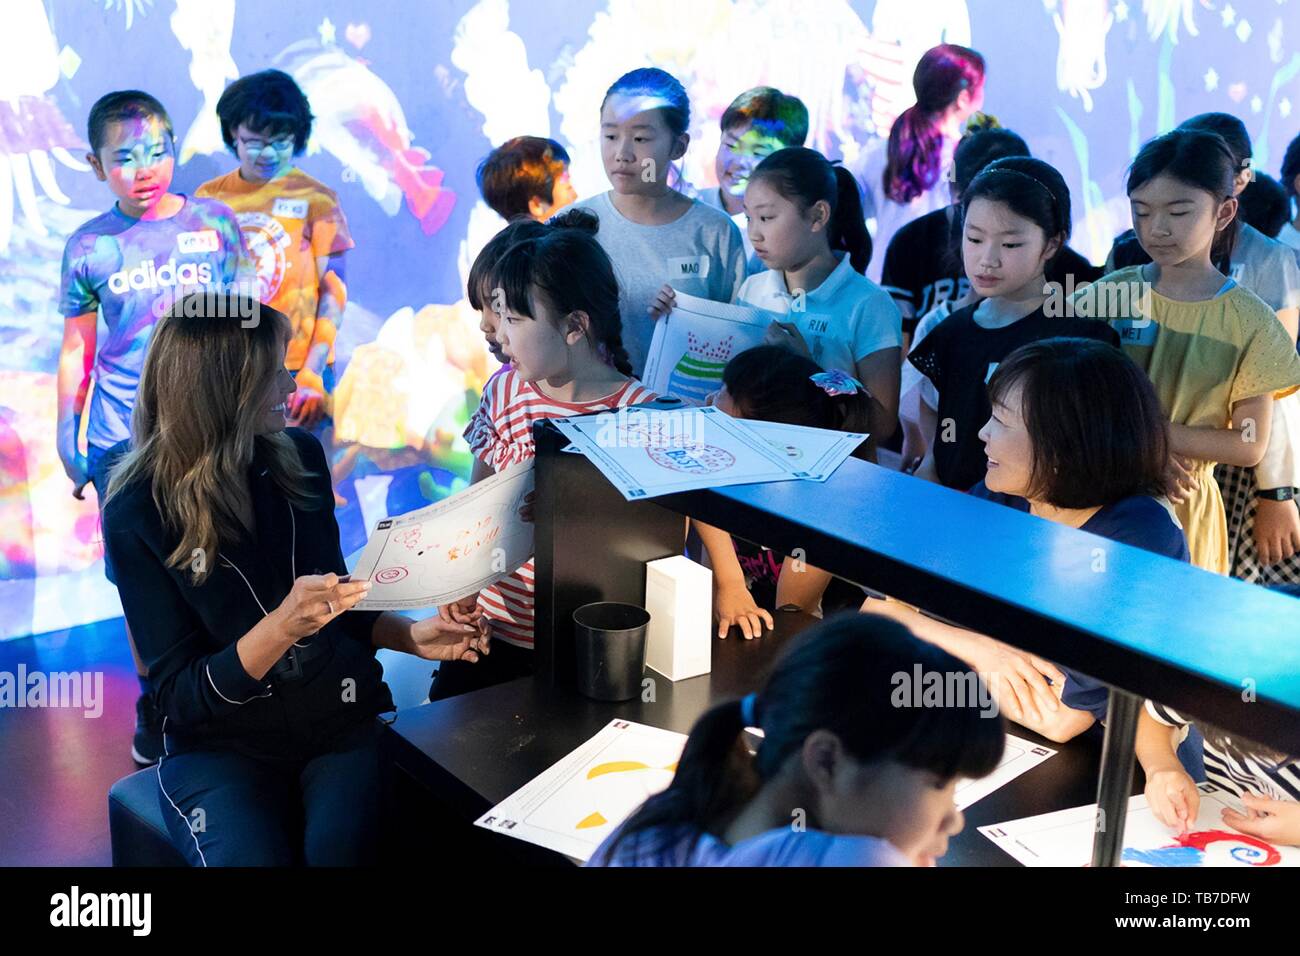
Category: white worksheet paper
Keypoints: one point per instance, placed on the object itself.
(578, 802)
(1020, 756)
(646, 452)
(817, 451)
(693, 344)
(1064, 838)
(460, 545)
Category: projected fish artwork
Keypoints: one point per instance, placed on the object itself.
(205, 28)
(34, 135)
(360, 122)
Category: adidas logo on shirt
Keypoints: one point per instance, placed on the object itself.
(148, 277)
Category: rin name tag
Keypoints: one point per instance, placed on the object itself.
(205, 240)
(688, 267)
(289, 208)
(1136, 331)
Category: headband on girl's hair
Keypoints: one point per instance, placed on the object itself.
(837, 382)
(1032, 178)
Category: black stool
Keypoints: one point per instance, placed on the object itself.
(135, 823)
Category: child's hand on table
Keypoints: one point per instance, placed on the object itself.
(1277, 821)
(664, 302)
(735, 606)
(1173, 798)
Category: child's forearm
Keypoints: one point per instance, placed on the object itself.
(1243, 442)
(1154, 745)
(727, 571)
(1227, 446)
(331, 301)
(72, 382)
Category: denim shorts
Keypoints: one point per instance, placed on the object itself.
(100, 462)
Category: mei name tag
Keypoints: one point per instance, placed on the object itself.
(205, 240)
(1136, 331)
(289, 209)
(688, 267)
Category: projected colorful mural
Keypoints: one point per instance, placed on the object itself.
(409, 96)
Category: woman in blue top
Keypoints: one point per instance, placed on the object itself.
(1077, 437)
(851, 769)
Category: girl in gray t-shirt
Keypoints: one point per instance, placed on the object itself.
(654, 234)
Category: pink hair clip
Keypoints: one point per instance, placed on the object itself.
(837, 382)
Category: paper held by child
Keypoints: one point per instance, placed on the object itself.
(455, 547)
(1020, 756)
(1065, 838)
(693, 344)
(646, 452)
(573, 806)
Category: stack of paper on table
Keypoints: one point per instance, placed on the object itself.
(646, 452)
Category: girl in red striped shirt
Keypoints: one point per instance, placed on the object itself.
(557, 299)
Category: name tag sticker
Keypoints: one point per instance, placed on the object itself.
(289, 209)
(688, 267)
(1136, 331)
(205, 240)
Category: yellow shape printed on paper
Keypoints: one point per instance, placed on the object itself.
(597, 819)
(616, 766)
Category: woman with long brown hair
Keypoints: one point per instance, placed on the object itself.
(232, 579)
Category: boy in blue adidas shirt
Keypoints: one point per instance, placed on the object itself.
(130, 264)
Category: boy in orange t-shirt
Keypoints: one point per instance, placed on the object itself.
(293, 226)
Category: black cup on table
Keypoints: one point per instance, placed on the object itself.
(610, 640)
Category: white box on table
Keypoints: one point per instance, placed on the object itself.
(679, 597)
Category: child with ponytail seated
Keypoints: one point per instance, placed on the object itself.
(845, 775)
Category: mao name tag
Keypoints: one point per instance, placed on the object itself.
(1136, 331)
(289, 208)
(205, 240)
(688, 267)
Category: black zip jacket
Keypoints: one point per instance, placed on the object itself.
(186, 635)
